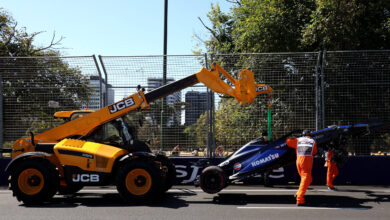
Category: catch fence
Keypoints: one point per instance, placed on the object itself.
(310, 91)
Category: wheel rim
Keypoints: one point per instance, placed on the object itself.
(214, 181)
(138, 182)
(31, 181)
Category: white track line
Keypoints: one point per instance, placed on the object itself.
(113, 190)
(298, 207)
(237, 190)
(199, 190)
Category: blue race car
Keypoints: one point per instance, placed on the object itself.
(258, 157)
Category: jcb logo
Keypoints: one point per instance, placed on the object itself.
(261, 88)
(121, 105)
(85, 178)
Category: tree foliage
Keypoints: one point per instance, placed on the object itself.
(31, 76)
(17, 42)
(258, 26)
(263, 26)
(348, 25)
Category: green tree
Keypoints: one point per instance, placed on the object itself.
(197, 132)
(29, 83)
(269, 25)
(259, 26)
(348, 25)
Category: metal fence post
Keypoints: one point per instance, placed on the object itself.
(208, 112)
(317, 92)
(1, 112)
(100, 83)
(210, 117)
(105, 74)
(323, 89)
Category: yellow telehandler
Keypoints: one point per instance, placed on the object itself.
(98, 148)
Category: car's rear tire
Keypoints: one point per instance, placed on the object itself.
(212, 179)
(34, 180)
(138, 180)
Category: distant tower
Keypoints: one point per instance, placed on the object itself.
(197, 105)
(95, 102)
(154, 83)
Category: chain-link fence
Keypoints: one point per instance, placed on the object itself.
(356, 88)
(34, 88)
(293, 79)
(166, 124)
(310, 91)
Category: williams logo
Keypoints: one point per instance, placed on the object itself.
(85, 178)
(121, 105)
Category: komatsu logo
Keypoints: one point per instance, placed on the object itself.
(85, 178)
(265, 159)
(121, 105)
(261, 88)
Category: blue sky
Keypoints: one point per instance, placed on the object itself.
(116, 27)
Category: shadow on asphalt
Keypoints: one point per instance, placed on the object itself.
(176, 200)
(329, 201)
(168, 200)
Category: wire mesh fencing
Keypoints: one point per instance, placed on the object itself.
(293, 79)
(168, 122)
(34, 88)
(356, 89)
(310, 91)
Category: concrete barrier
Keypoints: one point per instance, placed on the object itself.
(370, 170)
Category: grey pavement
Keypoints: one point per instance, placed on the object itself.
(188, 202)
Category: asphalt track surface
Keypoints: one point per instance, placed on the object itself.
(188, 202)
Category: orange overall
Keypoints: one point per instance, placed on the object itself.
(305, 147)
(333, 171)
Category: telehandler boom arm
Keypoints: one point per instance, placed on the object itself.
(244, 90)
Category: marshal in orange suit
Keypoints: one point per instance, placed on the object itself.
(305, 147)
(333, 171)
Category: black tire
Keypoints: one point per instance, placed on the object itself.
(141, 146)
(34, 181)
(69, 189)
(266, 180)
(169, 172)
(212, 179)
(138, 180)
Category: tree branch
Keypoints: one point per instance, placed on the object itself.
(209, 29)
(11, 35)
(52, 43)
(238, 2)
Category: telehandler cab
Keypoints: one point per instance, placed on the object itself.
(98, 148)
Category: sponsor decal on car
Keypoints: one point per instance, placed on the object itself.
(265, 159)
(237, 166)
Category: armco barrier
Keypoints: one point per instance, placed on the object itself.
(356, 171)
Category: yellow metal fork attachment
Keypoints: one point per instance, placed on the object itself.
(244, 89)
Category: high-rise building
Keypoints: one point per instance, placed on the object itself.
(96, 101)
(110, 94)
(154, 83)
(197, 105)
